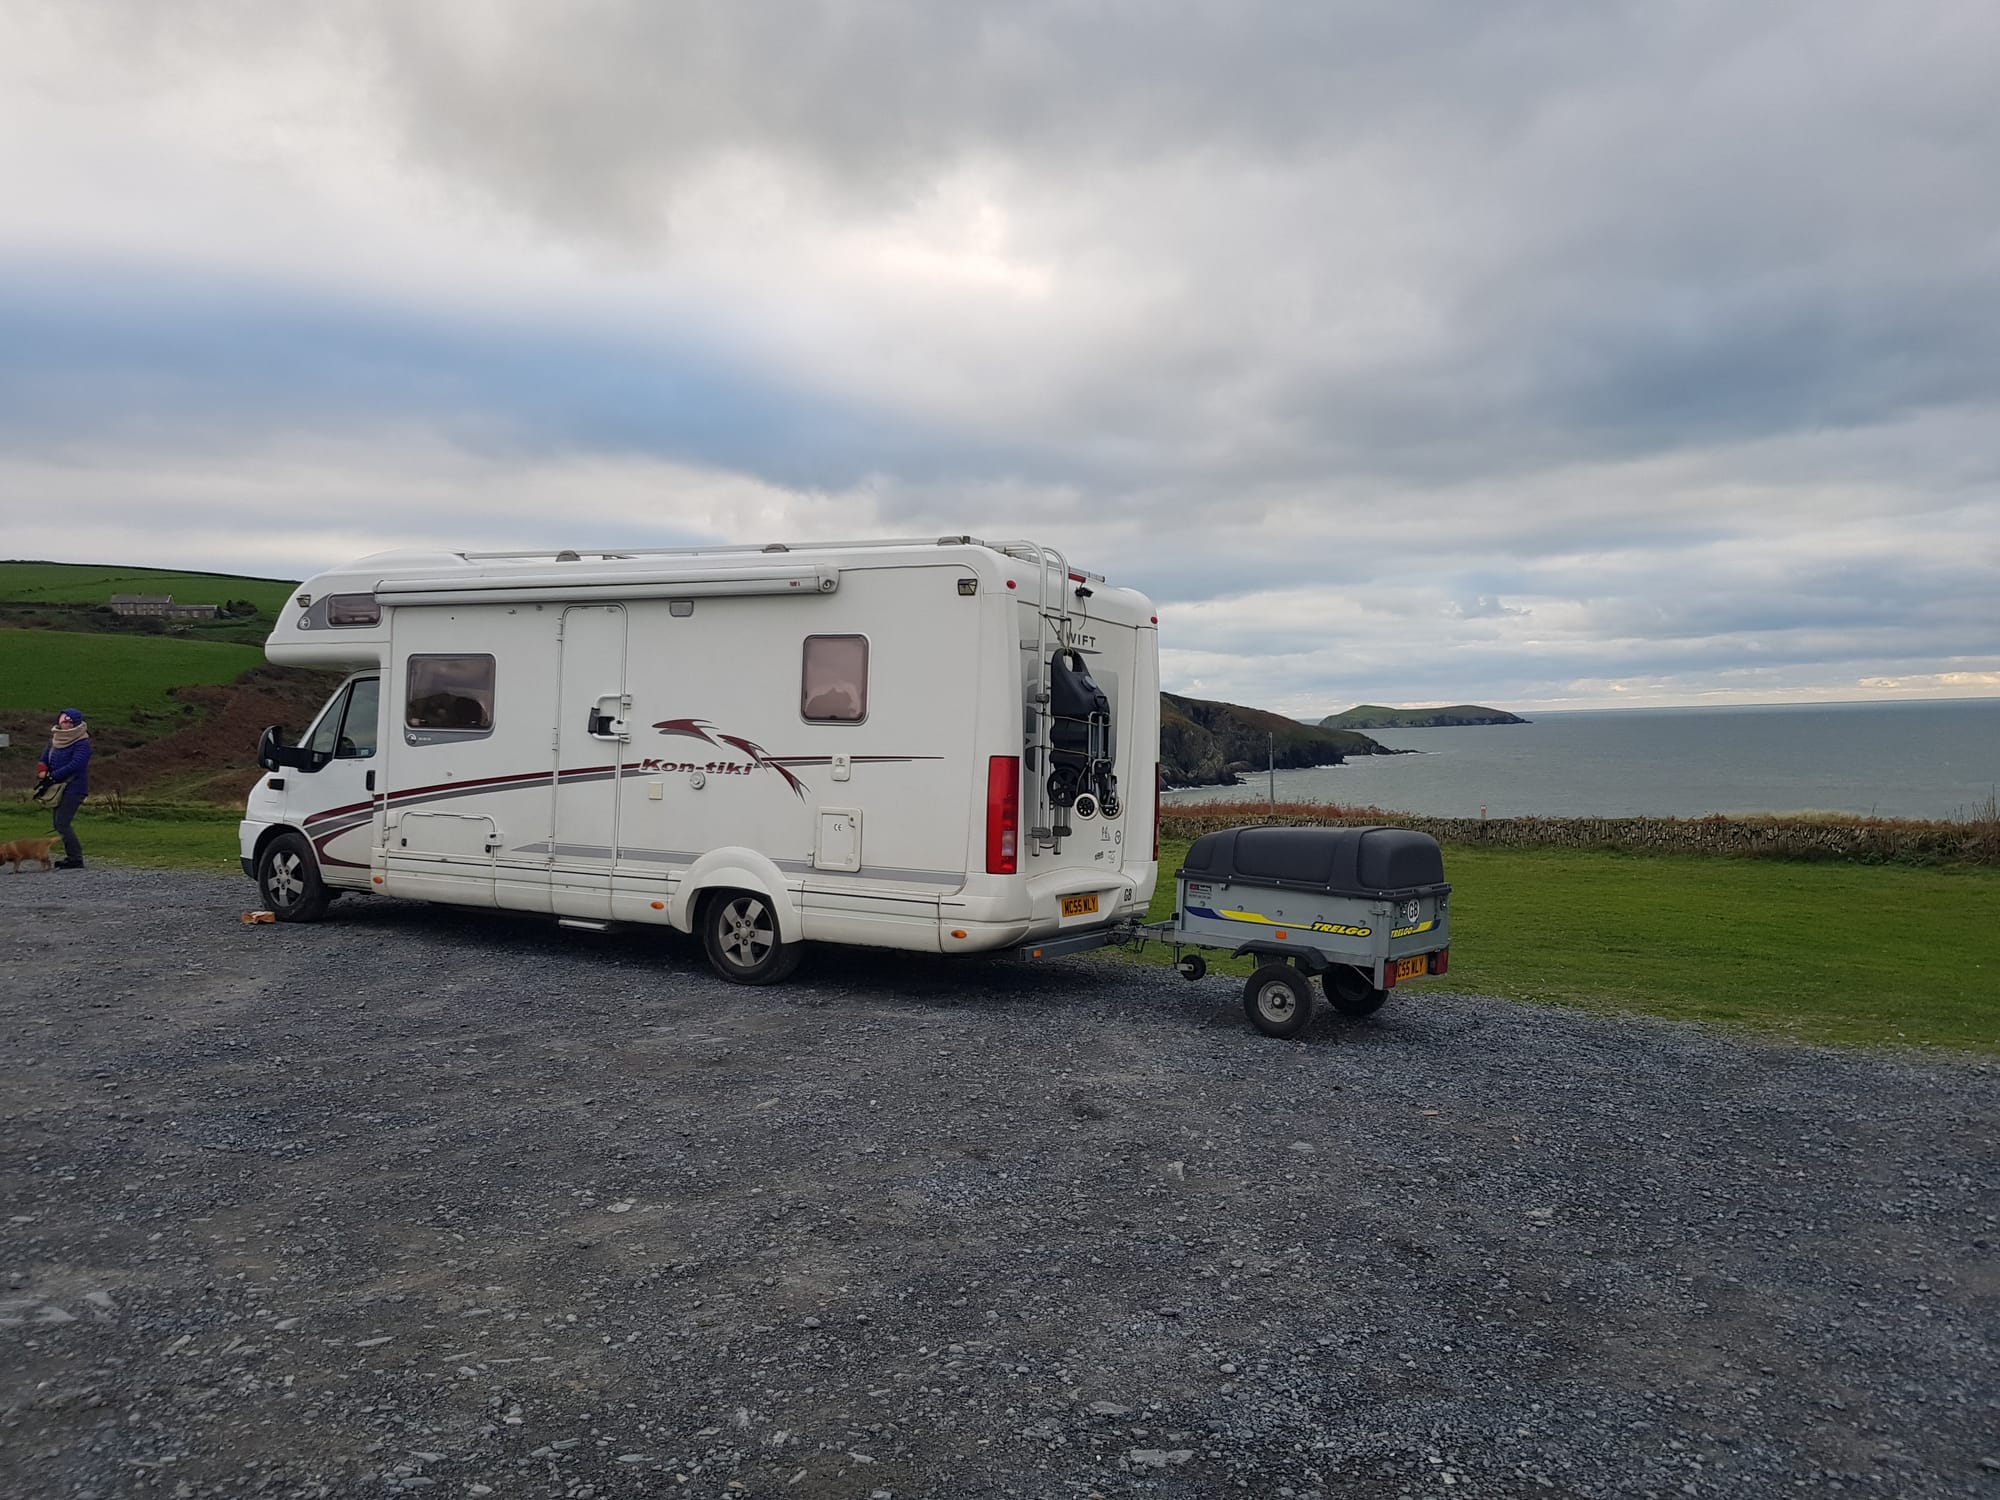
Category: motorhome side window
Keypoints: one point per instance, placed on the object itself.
(449, 692)
(834, 685)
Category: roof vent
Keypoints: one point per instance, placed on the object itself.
(777, 547)
(568, 556)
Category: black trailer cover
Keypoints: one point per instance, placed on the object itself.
(1339, 861)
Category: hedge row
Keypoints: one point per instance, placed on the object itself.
(1852, 840)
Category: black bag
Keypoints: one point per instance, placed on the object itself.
(1080, 745)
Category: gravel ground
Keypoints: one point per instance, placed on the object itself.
(425, 1200)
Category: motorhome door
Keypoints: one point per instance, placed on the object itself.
(591, 735)
(332, 795)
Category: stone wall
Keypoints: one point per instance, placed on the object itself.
(1851, 840)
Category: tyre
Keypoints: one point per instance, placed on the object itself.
(1065, 786)
(1191, 966)
(288, 880)
(1350, 993)
(739, 930)
(1278, 1000)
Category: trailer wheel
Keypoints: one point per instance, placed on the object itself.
(1350, 992)
(740, 932)
(288, 880)
(1191, 966)
(1278, 1000)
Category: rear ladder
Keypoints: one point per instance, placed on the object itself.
(1052, 621)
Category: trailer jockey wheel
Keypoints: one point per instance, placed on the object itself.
(1350, 992)
(740, 932)
(1278, 1000)
(1191, 966)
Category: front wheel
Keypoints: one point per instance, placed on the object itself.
(288, 880)
(1351, 992)
(1278, 1000)
(740, 932)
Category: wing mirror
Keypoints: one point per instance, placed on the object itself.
(269, 744)
(274, 754)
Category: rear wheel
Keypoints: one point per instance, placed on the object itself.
(288, 880)
(740, 932)
(1350, 992)
(1278, 1000)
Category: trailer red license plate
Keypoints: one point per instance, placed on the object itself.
(1079, 906)
(1414, 967)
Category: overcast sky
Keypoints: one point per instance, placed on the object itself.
(1531, 353)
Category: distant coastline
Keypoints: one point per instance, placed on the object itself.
(1456, 716)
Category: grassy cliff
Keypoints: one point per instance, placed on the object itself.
(1204, 743)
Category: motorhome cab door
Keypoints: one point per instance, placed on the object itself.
(336, 803)
(591, 736)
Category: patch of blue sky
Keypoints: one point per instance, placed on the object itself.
(87, 351)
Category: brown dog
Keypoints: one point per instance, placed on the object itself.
(26, 851)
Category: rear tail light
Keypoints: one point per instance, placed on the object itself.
(1441, 961)
(1389, 974)
(1157, 774)
(1003, 815)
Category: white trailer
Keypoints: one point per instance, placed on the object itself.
(941, 745)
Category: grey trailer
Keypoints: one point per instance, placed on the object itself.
(1362, 909)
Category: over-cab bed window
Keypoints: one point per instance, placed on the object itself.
(347, 611)
(834, 685)
(449, 692)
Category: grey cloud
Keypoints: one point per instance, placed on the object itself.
(593, 113)
(1637, 227)
(1419, 243)
(1500, 341)
(1485, 607)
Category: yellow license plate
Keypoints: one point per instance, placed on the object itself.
(1412, 968)
(1079, 906)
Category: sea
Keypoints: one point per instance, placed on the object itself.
(1933, 759)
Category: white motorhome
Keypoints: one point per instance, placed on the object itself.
(944, 745)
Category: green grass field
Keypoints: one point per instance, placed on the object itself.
(1818, 952)
(82, 583)
(110, 677)
(154, 836)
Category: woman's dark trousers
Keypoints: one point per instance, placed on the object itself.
(72, 799)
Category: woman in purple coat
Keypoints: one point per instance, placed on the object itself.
(66, 762)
